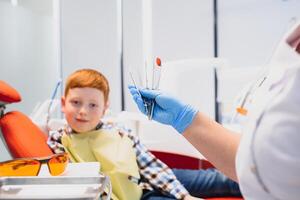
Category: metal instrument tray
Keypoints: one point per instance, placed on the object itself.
(64, 187)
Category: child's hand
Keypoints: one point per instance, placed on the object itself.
(189, 197)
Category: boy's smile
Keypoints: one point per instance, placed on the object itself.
(81, 120)
(83, 108)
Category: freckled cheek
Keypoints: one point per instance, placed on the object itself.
(69, 107)
(73, 109)
(70, 113)
(97, 113)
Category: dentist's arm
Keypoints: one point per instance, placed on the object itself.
(216, 143)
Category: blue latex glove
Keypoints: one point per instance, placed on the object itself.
(167, 110)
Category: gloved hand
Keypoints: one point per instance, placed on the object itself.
(167, 110)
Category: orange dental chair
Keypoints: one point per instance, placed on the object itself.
(25, 139)
(22, 137)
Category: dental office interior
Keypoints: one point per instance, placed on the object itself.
(209, 51)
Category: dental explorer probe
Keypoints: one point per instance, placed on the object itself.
(145, 104)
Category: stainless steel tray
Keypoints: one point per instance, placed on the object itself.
(51, 188)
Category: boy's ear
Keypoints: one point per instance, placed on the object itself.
(63, 103)
(298, 47)
(106, 106)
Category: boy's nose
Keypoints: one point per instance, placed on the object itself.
(83, 110)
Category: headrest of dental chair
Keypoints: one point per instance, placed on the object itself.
(23, 138)
(8, 94)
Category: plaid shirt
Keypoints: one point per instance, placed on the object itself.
(155, 175)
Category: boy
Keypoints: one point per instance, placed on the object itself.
(135, 173)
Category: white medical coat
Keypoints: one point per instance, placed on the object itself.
(268, 158)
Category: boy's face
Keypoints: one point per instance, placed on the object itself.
(83, 108)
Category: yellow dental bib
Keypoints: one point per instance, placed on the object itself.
(115, 155)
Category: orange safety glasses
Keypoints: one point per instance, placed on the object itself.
(56, 163)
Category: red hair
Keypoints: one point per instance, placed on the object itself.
(88, 78)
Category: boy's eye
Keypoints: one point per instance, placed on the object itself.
(93, 105)
(75, 102)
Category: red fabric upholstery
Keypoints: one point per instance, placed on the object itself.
(178, 161)
(225, 198)
(8, 94)
(174, 160)
(23, 137)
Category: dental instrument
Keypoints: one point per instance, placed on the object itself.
(51, 103)
(148, 104)
(156, 73)
(155, 82)
(146, 75)
(145, 103)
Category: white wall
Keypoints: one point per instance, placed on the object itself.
(200, 81)
(89, 40)
(181, 29)
(27, 51)
(249, 30)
